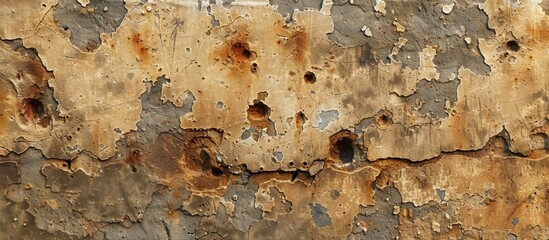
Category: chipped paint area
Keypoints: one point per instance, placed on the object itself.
(274, 119)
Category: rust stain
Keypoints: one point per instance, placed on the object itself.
(300, 119)
(258, 115)
(33, 110)
(140, 47)
(189, 161)
(298, 44)
(236, 52)
(133, 157)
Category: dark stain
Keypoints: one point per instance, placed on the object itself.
(240, 52)
(366, 55)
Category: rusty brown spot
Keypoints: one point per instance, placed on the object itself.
(300, 119)
(384, 118)
(91, 46)
(240, 52)
(35, 78)
(258, 115)
(139, 47)
(235, 51)
(189, 160)
(133, 157)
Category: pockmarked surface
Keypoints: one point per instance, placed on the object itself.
(235, 119)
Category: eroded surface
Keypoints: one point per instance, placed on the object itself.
(276, 119)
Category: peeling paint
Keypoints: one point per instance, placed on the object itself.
(274, 119)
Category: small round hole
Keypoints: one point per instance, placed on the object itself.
(305, 164)
(246, 53)
(309, 77)
(291, 164)
(513, 45)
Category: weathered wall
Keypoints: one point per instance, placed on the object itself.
(281, 119)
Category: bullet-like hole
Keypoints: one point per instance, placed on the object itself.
(513, 45)
(254, 67)
(258, 111)
(261, 169)
(345, 149)
(246, 53)
(216, 171)
(310, 77)
(33, 108)
(134, 169)
(305, 164)
(291, 163)
(384, 119)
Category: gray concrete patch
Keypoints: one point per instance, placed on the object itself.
(129, 191)
(158, 223)
(286, 7)
(425, 24)
(441, 194)
(30, 209)
(87, 23)
(243, 199)
(158, 116)
(431, 96)
(383, 223)
(325, 117)
(320, 215)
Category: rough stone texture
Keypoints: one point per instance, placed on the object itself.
(274, 119)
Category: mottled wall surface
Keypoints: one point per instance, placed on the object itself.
(280, 119)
